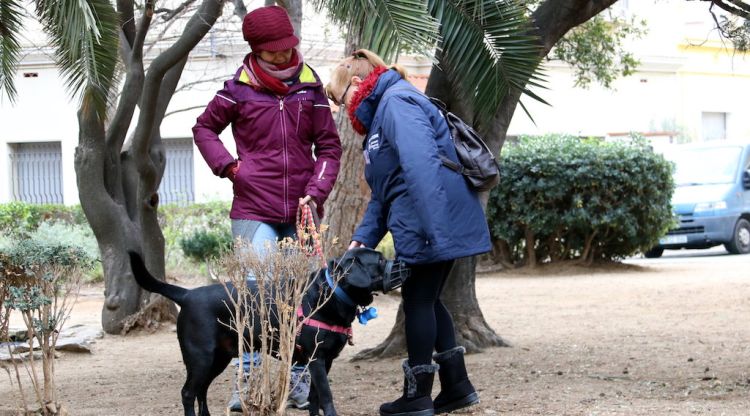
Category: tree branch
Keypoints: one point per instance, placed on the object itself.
(212, 80)
(239, 9)
(125, 9)
(197, 27)
(169, 14)
(133, 83)
(552, 20)
(182, 110)
(736, 7)
(741, 5)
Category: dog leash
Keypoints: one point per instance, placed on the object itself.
(308, 233)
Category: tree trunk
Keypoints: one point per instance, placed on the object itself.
(459, 296)
(118, 184)
(294, 9)
(348, 200)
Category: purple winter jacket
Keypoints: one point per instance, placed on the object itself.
(275, 137)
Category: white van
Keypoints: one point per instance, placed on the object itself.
(712, 197)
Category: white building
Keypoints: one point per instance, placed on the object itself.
(689, 87)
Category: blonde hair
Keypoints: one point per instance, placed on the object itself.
(360, 64)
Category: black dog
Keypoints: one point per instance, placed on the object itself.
(208, 343)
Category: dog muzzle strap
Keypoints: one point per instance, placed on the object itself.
(338, 291)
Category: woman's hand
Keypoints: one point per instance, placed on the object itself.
(307, 200)
(231, 170)
(356, 244)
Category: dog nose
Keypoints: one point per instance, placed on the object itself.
(112, 302)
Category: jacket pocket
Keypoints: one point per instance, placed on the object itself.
(304, 118)
(242, 181)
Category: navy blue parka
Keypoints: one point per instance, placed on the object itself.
(429, 209)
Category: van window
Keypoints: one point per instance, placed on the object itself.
(705, 166)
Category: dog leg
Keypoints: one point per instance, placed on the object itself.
(319, 378)
(200, 375)
(203, 403)
(313, 399)
(188, 399)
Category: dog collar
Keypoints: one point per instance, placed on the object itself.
(338, 291)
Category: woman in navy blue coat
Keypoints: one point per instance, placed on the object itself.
(432, 214)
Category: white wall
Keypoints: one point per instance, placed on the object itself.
(43, 112)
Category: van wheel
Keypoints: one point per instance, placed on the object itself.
(654, 253)
(740, 243)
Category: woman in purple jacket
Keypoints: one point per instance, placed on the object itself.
(288, 149)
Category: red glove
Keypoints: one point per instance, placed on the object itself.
(231, 170)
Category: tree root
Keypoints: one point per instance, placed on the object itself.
(472, 333)
(159, 309)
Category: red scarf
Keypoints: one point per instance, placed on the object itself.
(363, 90)
(268, 80)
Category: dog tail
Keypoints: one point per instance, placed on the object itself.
(147, 281)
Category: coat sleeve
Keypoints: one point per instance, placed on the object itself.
(372, 228)
(412, 135)
(219, 113)
(327, 150)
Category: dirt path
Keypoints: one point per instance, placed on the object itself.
(657, 340)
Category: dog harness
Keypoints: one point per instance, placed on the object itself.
(322, 325)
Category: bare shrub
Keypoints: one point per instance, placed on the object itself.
(267, 305)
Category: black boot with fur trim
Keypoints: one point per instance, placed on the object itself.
(416, 400)
(456, 391)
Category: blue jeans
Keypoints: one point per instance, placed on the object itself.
(263, 237)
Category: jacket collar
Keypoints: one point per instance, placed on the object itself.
(307, 78)
(365, 111)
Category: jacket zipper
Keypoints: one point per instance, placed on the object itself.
(299, 114)
(286, 161)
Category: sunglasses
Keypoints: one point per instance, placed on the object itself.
(340, 102)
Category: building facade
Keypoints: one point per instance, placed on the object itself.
(689, 87)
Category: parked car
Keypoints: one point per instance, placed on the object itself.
(711, 201)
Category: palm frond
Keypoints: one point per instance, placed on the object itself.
(11, 21)
(385, 25)
(84, 34)
(488, 45)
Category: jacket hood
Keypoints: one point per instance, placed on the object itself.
(365, 112)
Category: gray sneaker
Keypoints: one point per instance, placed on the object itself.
(299, 388)
(235, 404)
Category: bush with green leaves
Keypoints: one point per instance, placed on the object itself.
(202, 245)
(561, 197)
(181, 222)
(21, 218)
(40, 279)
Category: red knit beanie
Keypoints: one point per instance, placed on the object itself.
(269, 29)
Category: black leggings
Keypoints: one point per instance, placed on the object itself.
(428, 323)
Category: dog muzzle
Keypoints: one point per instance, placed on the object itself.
(395, 274)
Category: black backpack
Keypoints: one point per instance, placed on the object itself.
(477, 163)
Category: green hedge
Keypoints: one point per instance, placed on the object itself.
(21, 218)
(179, 223)
(561, 198)
(67, 225)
